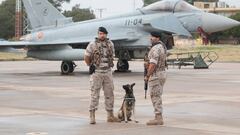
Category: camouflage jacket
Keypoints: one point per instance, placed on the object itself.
(101, 53)
(158, 55)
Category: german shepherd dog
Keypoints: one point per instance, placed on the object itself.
(128, 106)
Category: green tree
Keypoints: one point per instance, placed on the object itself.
(7, 19)
(231, 33)
(148, 2)
(79, 14)
(7, 16)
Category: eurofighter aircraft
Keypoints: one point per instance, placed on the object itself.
(57, 38)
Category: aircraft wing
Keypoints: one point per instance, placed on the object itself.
(83, 40)
(168, 23)
(21, 44)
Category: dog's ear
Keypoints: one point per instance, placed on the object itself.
(132, 85)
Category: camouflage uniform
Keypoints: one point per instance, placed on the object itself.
(101, 54)
(157, 55)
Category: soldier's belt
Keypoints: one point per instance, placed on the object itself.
(103, 68)
(102, 71)
(158, 72)
(160, 69)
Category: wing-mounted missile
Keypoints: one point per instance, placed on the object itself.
(168, 23)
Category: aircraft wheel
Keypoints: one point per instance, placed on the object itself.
(67, 67)
(122, 65)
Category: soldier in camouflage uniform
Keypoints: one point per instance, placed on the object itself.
(100, 54)
(156, 75)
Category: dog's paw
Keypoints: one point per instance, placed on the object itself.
(126, 121)
(136, 121)
(129, 119)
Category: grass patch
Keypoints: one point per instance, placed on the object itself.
(13, 56)
(226, 53)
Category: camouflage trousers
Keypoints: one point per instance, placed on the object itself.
(98, 81)
(156, 82)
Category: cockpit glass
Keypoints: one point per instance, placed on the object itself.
(183, 6)
(171, 5)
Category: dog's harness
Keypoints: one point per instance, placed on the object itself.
(129, 99)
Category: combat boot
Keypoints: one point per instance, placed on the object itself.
(157, 121)
(92, 117)
(111, 117)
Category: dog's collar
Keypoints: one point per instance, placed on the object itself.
(129, 98)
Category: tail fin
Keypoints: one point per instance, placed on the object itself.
(41, 13)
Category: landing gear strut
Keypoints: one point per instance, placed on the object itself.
(204, 35)
(122, 64)
(67, 67)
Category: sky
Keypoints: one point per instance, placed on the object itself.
(232, 2)
(110, 7)
(114, 7)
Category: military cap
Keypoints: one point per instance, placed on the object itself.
(102, 29)
(156, 34)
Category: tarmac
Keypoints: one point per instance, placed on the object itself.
(35, 99)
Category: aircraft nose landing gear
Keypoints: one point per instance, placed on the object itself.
(67, 67)
(122, 64)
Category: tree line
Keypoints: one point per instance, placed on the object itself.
(7, 15)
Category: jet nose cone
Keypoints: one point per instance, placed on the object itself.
(213, 23)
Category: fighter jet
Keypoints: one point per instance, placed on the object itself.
(57, 38)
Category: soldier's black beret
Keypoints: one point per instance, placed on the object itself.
(102, 29)
(156, 34)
